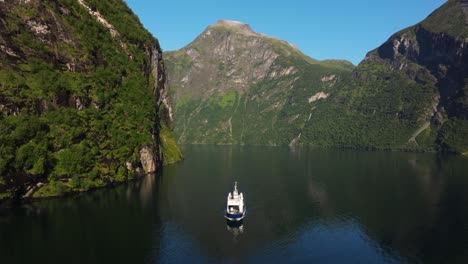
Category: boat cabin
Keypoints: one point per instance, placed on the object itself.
(235, 208)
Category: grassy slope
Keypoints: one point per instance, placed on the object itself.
(448, 19)
(262, 115)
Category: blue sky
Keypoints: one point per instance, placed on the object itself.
(325, 29)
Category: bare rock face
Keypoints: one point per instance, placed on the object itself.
(160, 88)
(227, 55)
(147, 159)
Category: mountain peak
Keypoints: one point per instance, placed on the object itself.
(230, 23)
(234, 26)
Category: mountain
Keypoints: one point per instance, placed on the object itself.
(409, 94)
(83, 98)
(418, 80)
(232, 85)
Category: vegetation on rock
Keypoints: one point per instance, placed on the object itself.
(77, 101)
(408, 94)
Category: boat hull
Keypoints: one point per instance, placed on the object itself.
(234, 217)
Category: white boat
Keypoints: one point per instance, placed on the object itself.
(235, 208)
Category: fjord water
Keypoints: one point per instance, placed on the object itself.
(303, 205)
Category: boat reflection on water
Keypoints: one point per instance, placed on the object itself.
(235, 227)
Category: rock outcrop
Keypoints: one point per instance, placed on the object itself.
(148, 160)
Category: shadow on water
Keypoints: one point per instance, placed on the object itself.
(304, 205)
(105, 226)
(235, 227)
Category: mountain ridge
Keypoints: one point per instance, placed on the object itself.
(228, 64)
(239, 27)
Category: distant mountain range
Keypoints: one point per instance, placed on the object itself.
(232, 85)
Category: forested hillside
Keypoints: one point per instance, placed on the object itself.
(82, 98)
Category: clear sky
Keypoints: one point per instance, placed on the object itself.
(322, 29)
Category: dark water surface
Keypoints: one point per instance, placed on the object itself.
(304, 206)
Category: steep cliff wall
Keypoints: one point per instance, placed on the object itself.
(433, 56)
(83, 99)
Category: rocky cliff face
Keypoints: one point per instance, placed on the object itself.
(232, 85)
(442, 56)
(227, 55)
(433, 54)
(83, 97)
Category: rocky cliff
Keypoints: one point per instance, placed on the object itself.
(83, 97)
(431, 57)
(232, 85)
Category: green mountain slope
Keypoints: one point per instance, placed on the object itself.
(82, 98)
(234, 86)
(410, 93)
(416, 84)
